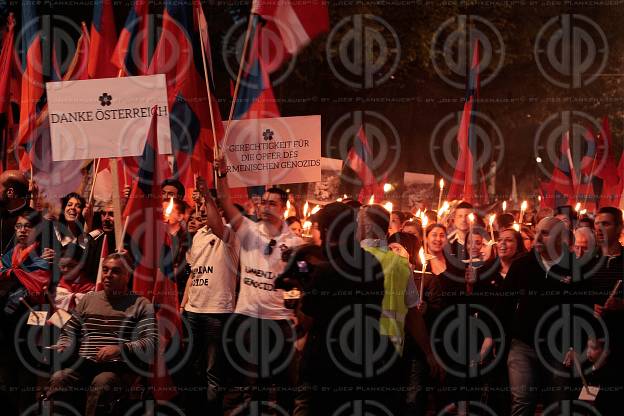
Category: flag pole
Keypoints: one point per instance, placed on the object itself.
(252, 18)
(215, 146)
(118, 224)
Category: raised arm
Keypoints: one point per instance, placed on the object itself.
(231, 213)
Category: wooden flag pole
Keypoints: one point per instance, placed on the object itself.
(252, 18)
(116, 205)
(215, 147)
(117, 211)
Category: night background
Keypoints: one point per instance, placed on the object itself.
(409, 92)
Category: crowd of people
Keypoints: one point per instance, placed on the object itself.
(361, 311)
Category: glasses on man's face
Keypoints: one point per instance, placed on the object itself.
(23, 227)
(268, 250)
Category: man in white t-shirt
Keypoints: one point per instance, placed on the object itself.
(208, 302)
(260, 316)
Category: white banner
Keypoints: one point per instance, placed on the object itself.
(273, 151)
(107, 117)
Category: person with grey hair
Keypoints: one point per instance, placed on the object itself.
(584, 242)
(536, 288)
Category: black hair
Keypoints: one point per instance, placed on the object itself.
(65, 201)
(282, 194)
(430, 227)
(465, 205)
(33, 217)
(520, 249)
(333, 219)
(616, 213)
(400, 214)
(292, 219)
(176, 184)
(410, 242)
(504, 220)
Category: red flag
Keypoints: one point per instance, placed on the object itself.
(9, 92)
(296, 24)
(103, 40)
(178, 56)
(7, 66)
(130, 55)
(147, 231)
(255, 96)
(32, 95)
(144, 209)
(468, 182)
(560, 190)
(607, 172)
(78, 68)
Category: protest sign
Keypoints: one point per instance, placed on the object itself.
(274, 151)
(107, 117)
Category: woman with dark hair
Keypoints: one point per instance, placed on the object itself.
(71, 223)
(295, 225)
(509, 246)
(417, 370)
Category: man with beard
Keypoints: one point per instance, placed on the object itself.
(13, 200)
(104, 226)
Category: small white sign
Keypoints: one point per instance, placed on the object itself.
(107, 117)
(37, 318)
(271, 151)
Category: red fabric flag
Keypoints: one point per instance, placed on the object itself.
(10, 80)
(131, 52)
(178, 56)
(103, 40)
(7, 65)
(295, 23)
(468, 182)
(32, 95)
(148, 237)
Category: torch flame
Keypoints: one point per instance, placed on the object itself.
(424, 220)
(492, 218)
(371, 200)
(388, 206)
(516, 226)
(169, 208)
(524, 205)
(315, 210)
(504, 206)
(288, 206)
(441, 183)
(577, 208)
(421, 255)
(387, 187)
(443, 208)
(471, 217)
(306, 207)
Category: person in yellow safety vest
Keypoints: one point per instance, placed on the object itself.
(399, 305)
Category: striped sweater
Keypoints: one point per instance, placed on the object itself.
(96, 322)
